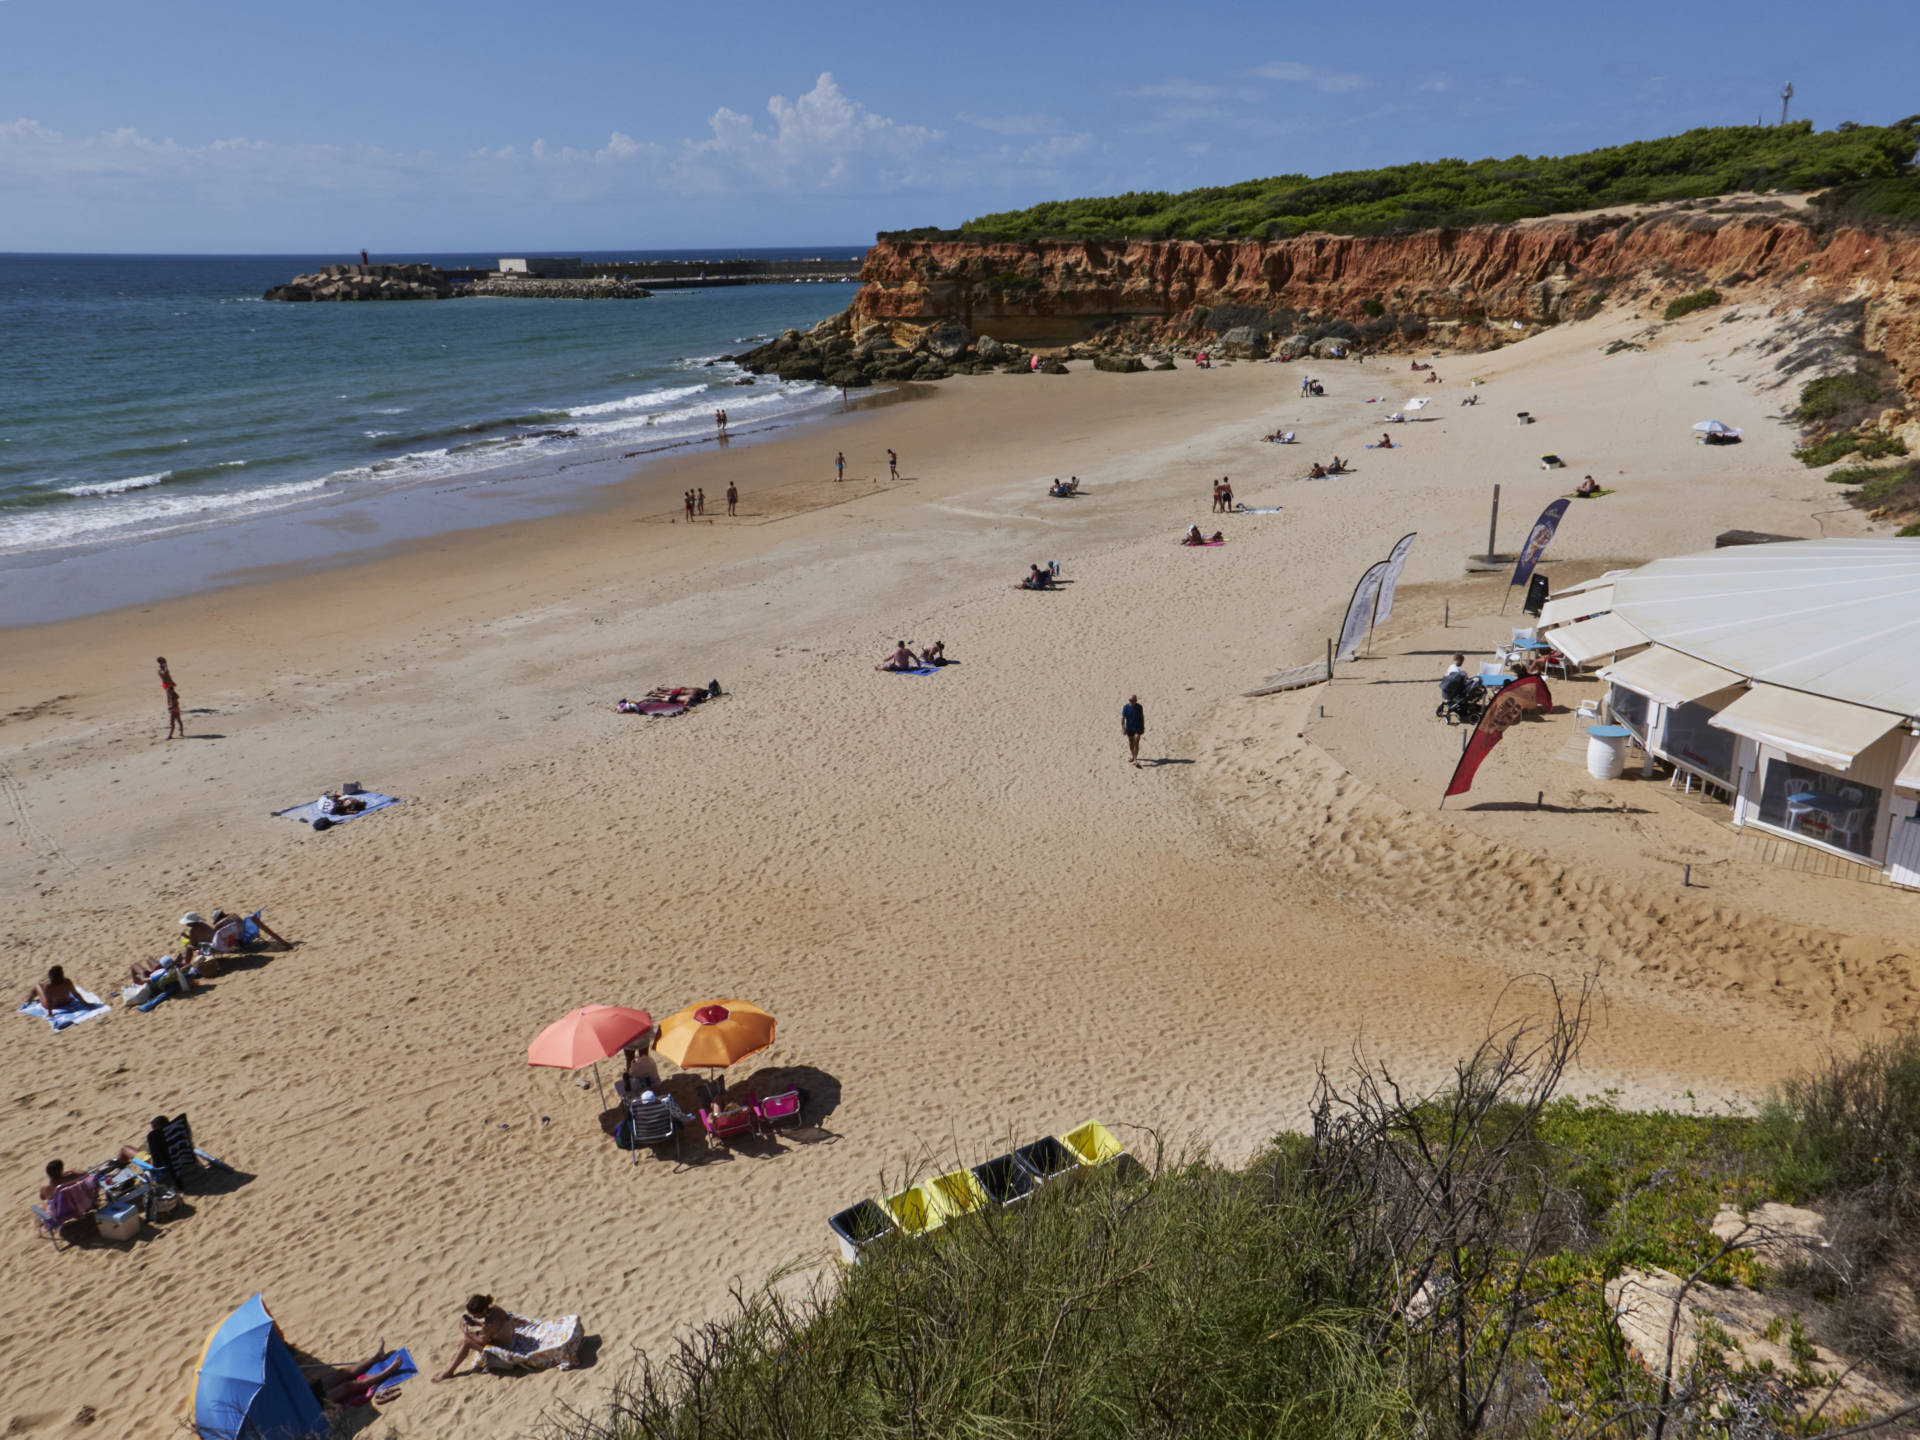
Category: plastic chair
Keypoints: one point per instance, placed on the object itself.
(781, 1109)
(1556, 661)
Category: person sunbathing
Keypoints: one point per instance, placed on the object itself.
(362, 1383)
(332, 802)
(228, 931)
(167, 970)
(1471, 400)
(1386, 441)
(56, 992)
(935, 654)
(58, 1176)
(1433, 377)
(900, 659)
(1038, 578)
(1194, 537)
(1318, 472)
(1338, 467)
(642, 1072)
(482, 1323)
(1588, 486)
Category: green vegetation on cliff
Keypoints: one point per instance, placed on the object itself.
(1708, 162)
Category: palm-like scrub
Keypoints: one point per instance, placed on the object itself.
(1875, 160)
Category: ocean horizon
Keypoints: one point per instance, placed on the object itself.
(159, 394)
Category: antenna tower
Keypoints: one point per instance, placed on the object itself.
(1785, 95)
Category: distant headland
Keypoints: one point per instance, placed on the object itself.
(555, 278)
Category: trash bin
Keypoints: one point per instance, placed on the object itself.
(1004, 1180)
(857, 1227)
(1092, 1144)
(1045, 1159)
(957, 1192)
(916, 1211)
(1607, 751)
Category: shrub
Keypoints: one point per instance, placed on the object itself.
(1843, 399)
(1851, 1125)
(1856, 474)
(1374, 309)
(1698, 164)
(1868, 445)
(1687, 304)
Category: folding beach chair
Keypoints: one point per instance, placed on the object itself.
(781, 1109)
(724, 1125)
(654, 1127)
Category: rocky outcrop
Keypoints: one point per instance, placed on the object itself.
(1454, 289)
(532, 289)
(366, 282)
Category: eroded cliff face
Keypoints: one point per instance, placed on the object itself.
(1458, 289)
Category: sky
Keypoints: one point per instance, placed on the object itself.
(566, 127)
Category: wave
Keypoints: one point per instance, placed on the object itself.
(637, 402)
(147, 482)
(118, 487)
(475, 427)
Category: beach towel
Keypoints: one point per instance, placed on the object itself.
(537, 1345)
(1256, 509)
(917, 670)
(1201, 544)
(1590, 495)
(1384, 447)
(398, 1375)
(68, 1016)
(308, 813)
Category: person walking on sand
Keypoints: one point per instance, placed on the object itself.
(733, 496)
(700, 502)
(687, 501)
(174, 722)
(1133, 724)
(839, 466)
(893, 466)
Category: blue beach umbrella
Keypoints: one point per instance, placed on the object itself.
(249, 1386)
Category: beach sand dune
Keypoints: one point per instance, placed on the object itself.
(975, 922)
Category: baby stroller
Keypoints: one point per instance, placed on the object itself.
(1463, 699)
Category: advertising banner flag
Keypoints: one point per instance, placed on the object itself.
(1396, 562)
(1514, 700)
(1538, 539)
(1360, 611)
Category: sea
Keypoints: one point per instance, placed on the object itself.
(143, 396)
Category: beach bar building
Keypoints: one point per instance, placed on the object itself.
(1786, 676)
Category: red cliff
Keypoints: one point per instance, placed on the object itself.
(1450, 287)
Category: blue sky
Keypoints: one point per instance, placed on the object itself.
(564, 127)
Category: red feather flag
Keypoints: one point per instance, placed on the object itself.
(1514, 700)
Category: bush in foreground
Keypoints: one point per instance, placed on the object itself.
(1421, 1264)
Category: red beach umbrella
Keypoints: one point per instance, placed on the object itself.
(587, 1036)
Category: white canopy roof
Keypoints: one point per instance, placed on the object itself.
(1598, 580)
(1833, 618)
(1668, 676)
(1586, 641)
(1909, 776)
(1564, 609)
(1809, 727)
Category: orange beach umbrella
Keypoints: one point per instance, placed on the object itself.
(587, 1036)
(715, 1034)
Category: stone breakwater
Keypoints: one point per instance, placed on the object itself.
(601, 289)
(429, 282)
(366, 282)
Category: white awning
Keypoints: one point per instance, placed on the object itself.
(1565, 609)
(1809, 727)
(1909, 776)
(1585, 642)
(1668, 676)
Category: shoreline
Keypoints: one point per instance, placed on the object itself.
(972, 917)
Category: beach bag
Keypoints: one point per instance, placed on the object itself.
(350, 787)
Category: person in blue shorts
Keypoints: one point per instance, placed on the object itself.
(1133, 724)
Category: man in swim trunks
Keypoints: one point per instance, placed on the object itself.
(1133, 724)
(733, 496)
(901, 659)
(893, 466)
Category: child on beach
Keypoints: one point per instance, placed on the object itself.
(839, 467)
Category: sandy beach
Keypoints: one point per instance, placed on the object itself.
(975, 921)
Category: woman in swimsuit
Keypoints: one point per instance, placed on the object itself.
(482, 1323)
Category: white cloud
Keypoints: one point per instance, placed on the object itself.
(816, 142)
(1331, 82)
